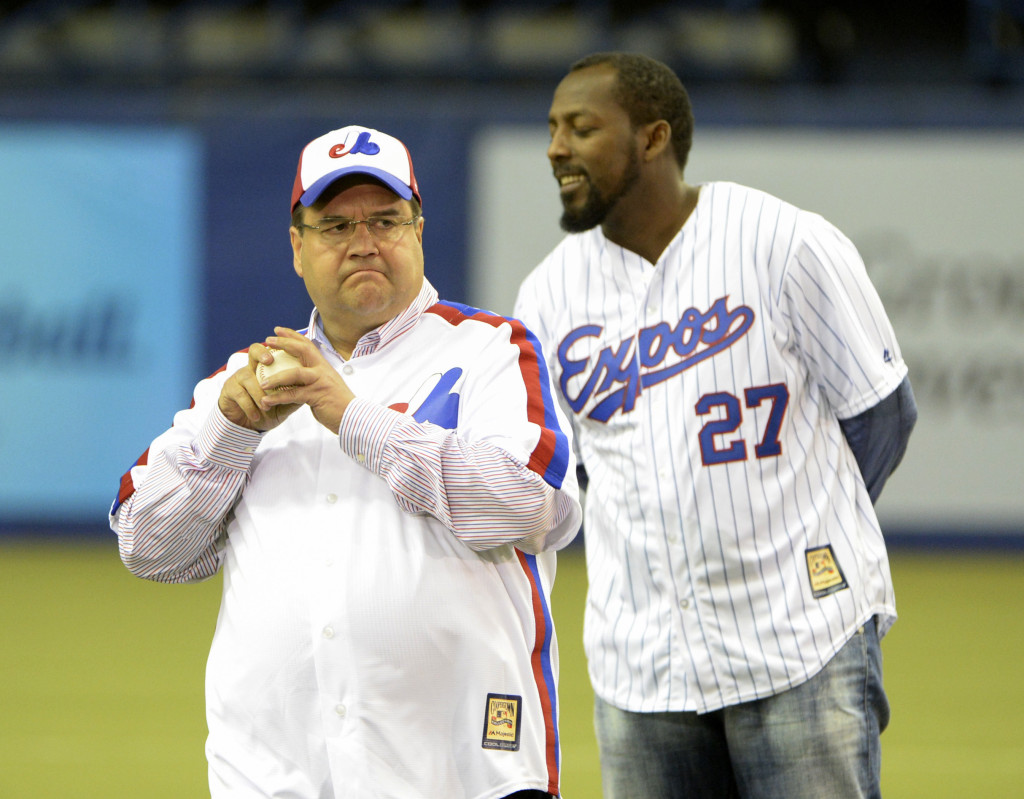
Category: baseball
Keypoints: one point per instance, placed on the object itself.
(282, 361)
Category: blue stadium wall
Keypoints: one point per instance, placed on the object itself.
(245, 144)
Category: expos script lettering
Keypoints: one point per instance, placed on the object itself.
(662, 351)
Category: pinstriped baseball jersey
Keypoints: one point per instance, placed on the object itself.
(732, 547)
(384, 629)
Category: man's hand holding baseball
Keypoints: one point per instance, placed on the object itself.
(315, 383)
(240, 398)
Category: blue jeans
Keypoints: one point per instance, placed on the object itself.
(819, 740)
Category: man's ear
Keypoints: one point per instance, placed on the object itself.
(658, 139)
(296, 238)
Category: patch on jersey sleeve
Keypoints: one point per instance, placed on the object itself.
(502, 721)
(823, 569)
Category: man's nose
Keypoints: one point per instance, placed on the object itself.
(362, 239)
(558, 148)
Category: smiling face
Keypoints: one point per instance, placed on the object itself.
(594, 150)
(362, 283)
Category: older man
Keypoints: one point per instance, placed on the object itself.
(385, 510)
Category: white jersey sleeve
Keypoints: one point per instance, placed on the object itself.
(838, 320)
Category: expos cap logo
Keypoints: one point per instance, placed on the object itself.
(362, 145)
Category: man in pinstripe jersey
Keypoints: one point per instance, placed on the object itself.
(385, 513)
(739, 400)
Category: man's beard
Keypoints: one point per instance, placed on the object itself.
(597, 206)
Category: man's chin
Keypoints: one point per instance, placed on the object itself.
(583, 216)
(578, 221)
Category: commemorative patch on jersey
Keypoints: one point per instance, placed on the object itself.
(501, 723)
(823, 569)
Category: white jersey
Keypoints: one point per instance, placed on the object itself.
(376, 639)
(732, 547)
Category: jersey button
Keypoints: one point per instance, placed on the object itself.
(347, 369)
(332, 498)
(684, 603)
(328, 632)
(341, 710)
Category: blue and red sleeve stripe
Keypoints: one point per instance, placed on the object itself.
(550, 457)
(543, 670)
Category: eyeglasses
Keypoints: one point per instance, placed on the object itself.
(382, 228)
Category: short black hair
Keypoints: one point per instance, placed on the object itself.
(649, 90)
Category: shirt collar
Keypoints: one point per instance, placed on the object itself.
(387, 332)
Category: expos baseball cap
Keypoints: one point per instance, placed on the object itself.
(353, 150)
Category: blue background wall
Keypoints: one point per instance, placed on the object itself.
(246, 128)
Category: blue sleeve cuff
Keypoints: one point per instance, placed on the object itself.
(879, 435)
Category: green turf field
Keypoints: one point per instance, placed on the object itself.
(101, 677)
